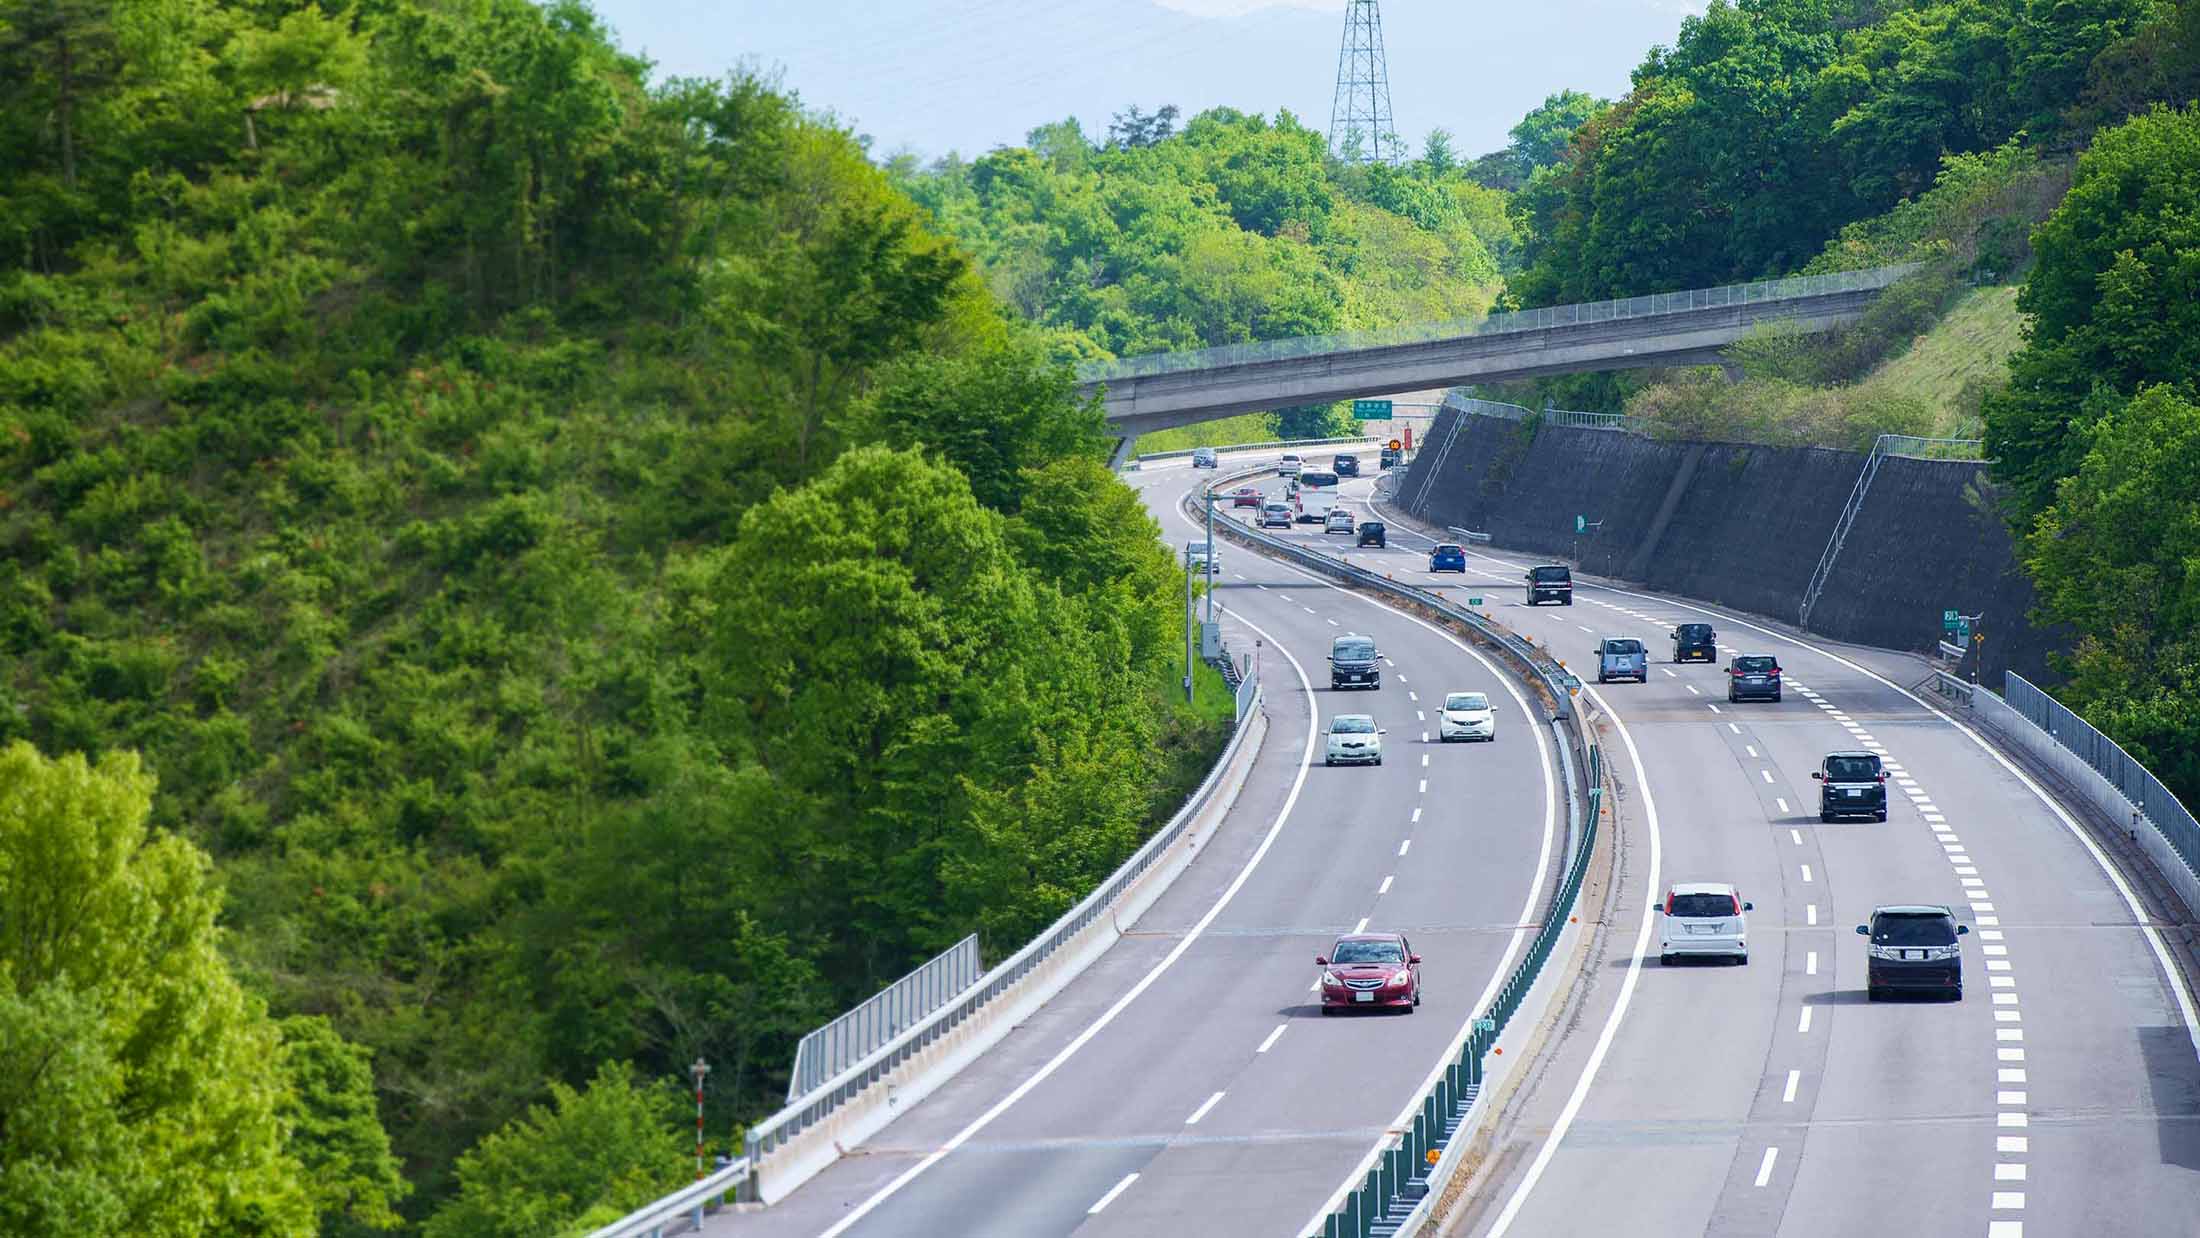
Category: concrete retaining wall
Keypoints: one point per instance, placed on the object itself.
(1744, 525)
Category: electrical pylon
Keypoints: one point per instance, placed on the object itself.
(1360, 127)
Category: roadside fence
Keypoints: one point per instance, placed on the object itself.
(2104, 756)
(886, 1014)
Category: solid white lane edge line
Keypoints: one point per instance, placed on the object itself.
(1021, 1090)
(1108, 1198)
(1764, 1170)
(1273, 1036)
(1201, 1112)
(1610, 1031)
(1787, 1094)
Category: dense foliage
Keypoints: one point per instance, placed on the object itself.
(2098, 437)
(585, 556)
(1769, 124)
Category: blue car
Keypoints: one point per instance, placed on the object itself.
(1447, 558)
(1622, 657)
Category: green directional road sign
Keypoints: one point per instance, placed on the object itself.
(1950, 620)
(1581, 524)
(1371, 410)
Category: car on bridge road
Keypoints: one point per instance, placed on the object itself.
(1373, 971)
(1703, 918)
(1275, 516)
(1246, 496)
(1753, 677)
(1374, 533)
(1290, 464)
(1914, 948)
(1354, 739)
(1205, 458)
(1851, 784)
(1447, 558)
(1622, 657)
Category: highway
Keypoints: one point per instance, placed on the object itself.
(1189, 1072)
(2061, 1095)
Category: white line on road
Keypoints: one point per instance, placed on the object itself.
(1767, 775)
(1416, 815)
(1385, 887)
(1109, 1198)
(1802, 1024)
(1787, 1094)
(1806, 874)
(1424, 760)
(1201, 1112)
(1764, 1170)
(1668, 674)
(1797, 835)
(1413, 696)
(1421, 715)
(1783, 808)
(1691, 689)
(1811, 913)
(1424, 786)
(1270, 1043)
(1308, 609)
(1715, 709)
(1810, 963)
(1407, 844)
(1585, 627)
(1331, 622)
(1731, 727)
(1361, 927)
(1751, 749)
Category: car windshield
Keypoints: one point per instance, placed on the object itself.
(1553, 573)
(1466, 700)
(1353, 724)
(1277, 507)
(1701, 905)
(1368, 952)
(1624, 645)
(1904, 929)
(1852, 769)
(1756, 664)
(1353, 650)
(1448, 549)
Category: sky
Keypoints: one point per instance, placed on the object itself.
(932, 76)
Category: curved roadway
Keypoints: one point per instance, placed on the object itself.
(2059, 1096)
(1188, 1073)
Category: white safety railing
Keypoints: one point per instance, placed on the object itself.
(886, 1014)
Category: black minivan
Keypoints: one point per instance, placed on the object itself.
(1550, 582)
(1914, 948)
(1695, 642)
(1352, 662)
(1851, 784)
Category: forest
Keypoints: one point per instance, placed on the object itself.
(518, 572)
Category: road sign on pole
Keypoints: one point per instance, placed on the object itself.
(1581, 524)
(1371, 410)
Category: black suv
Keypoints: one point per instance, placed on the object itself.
(1352, 662)
(1391, 457)
(1753, 677)
(1374, 533)
(1695, 642)
(1851, 784)
(1550, 582)
(1345, 466)
(1914, 948)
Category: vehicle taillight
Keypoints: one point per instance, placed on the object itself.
(1882, 778)
(1734, 670)
(1775, 672)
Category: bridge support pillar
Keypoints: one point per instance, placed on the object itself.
(1125, 447)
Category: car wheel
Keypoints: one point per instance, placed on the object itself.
(1730, 698)
(1871, 992)
(1567, 602)
(1881, 815)
(1329, 760)
(1825, 818)
(1958, 994)
(1741, 960)
(1665, 960)
(1328, 1010)
(1378, 760)
(1775, 696)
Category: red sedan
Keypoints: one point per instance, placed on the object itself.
(1245, 496)
(1370, 970)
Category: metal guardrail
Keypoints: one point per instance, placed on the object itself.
(886, 1014)
(1364, 440)
(1967, 450)
(1653, 305)
(649, 1220)
(2106, 757)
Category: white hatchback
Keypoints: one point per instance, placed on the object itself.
(1354, 739)
(1704, 918)
(1467, 715)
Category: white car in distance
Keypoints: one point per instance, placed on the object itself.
(1354, 739)
(1467, 715)
(1196, 557)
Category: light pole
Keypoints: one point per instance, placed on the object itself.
(1210, 554)
(1187, 625)
(700, 1069)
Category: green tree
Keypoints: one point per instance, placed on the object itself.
(1541, 137)
(140, 1088)
(2113, 299)
(335, 1131)
(596, 1153)
(992, 415)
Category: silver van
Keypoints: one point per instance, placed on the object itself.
(1703, 919)
(1622, 657)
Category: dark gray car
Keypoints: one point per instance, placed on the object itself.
(1753, 677)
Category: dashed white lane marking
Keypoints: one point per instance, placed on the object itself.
(1308, 609)
(1797, 835)
(1802, 1024)
(2008, 1201)
(1424, 760)
(1783, 808)
(1764, 1169)
(1285, 596)
(1401, 679)
(1270, 1043)
(1715, 709)
(1668, 674)
(1751, 749)
(1407, 844)
(1332, 622)
(1113, 1191)
(1810, 963)
(1585, 627)
(1361, 927)
(1201, 1112)
(1731, 727)
(2016, 1121)
(1810, 913)
(1424, 734)
(2012, 1143)
(1389, 663)
(1421, 715)
(1385, 887)
(1416, 815)
(1424, 786)
(1787, 1094)
(1806, 874)
(1692, 689)
(2005, 1229)
(1767, 776)
(1413, 696)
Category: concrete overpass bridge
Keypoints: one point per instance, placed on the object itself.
(1161, 390)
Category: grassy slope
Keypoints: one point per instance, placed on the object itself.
(1971, 345)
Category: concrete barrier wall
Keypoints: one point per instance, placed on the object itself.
(1744, 525)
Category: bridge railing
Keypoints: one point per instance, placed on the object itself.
(1687, 301)
(883, 1016)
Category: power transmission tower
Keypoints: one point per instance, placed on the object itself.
(1360, 128)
